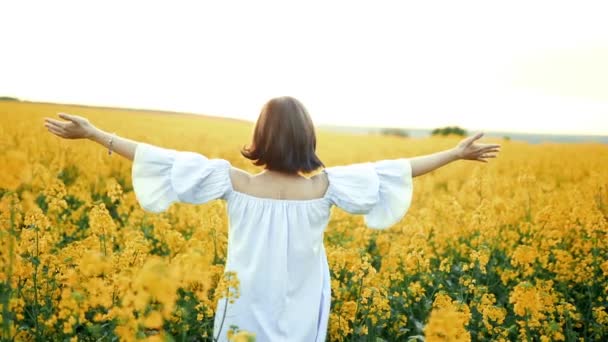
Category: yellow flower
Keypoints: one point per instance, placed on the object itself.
(241, 336)
(448, 320)
(154, 320)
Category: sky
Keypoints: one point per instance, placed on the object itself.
(521, 66)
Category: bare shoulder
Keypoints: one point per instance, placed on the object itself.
(239, 178)
(320, 182)
(313, 187)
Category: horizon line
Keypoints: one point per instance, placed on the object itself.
(6, 98)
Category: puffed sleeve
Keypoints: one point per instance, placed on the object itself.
(164, 176)
(381, 191)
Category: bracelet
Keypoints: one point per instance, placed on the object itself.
(110, 143)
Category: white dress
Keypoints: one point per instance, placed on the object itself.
(275, 245)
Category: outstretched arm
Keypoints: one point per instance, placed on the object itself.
(78, 127)
(466, 150)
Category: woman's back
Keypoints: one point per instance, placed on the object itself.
(276, 225)
(269, 184)
(275, 246)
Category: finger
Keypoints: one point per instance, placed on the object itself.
(52, 124)
(55, 127)
(66, 116)
(56, 122)
(490, 149)
(55, 131)
(62, 126)
(488, 145)
(474, 137)
(486, 154)
(484, 157)
(58, 126)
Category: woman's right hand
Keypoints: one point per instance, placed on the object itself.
(76, 127)
(468, 150)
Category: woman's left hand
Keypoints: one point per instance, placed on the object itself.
(76, 127)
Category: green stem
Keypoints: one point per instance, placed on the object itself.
(36, 305)
(103, 241)
(357, 308)
(224, 315)
(5, 312)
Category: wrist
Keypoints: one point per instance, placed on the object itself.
(96, 134)
(455, 154)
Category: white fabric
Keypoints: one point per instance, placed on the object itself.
(275, 246)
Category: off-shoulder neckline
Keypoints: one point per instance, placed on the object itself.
(325, 196)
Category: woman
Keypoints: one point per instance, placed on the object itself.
(277, 217)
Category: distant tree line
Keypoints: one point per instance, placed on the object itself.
(400, 132)
(8, 98)
(449, 130)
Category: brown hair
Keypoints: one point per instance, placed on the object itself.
(284, 138)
